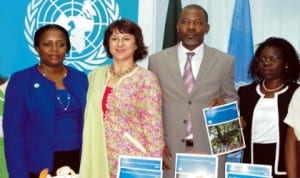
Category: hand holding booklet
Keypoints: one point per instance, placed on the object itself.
(223, 127)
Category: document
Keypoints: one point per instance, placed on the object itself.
(139, 167)
(196, 166)
(245, 170)
(223, 127)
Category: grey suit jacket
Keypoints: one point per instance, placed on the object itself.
(215, 79)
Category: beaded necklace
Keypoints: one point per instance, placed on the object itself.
(121, 74)
(65, 107)
(271, 90)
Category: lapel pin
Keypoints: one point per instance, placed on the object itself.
(36, 85)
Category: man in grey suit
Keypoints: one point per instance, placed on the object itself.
(214, 85)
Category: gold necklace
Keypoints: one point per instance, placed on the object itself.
(121, 74)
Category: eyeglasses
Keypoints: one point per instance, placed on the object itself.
(271, 59)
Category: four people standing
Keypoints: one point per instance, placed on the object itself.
(43, 110)
(126, 108)
(264, 103)
(213, 85)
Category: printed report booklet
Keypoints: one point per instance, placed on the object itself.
(196, 165)
(223, 127)
(245, 170)
(139, 167)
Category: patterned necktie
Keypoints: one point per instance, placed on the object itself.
(188, 76)
(189, 81)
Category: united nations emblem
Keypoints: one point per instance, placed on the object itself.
(85, 21)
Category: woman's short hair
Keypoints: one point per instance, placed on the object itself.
(43, 29)
(126, 26)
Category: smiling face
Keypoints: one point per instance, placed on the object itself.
(122, 46)
(52, 47)
(271, 65)
(192, 27)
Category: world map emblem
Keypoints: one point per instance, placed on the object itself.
(85, 20)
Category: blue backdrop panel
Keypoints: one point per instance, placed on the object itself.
(85, 20)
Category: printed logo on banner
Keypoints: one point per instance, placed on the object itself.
(85, 21)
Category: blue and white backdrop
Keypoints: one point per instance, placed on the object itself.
(86, 21)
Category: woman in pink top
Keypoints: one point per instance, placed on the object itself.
(123, 113)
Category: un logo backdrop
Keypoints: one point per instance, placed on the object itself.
(85, 20)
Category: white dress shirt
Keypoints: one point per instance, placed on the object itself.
(196, 59)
